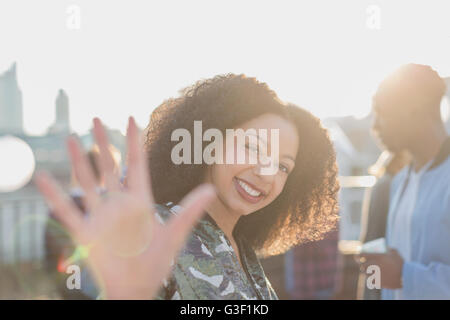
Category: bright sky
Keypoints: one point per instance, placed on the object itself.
(128, 56)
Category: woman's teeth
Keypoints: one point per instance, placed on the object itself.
(249, 189)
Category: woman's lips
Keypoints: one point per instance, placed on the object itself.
(244, 194)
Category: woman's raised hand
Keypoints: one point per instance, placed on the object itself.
(130, 253)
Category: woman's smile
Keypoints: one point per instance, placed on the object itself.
(248, 191)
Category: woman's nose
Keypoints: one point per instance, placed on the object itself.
(264, 173)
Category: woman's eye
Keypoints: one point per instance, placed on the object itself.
(284, 169)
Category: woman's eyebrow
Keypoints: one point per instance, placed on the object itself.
(289, 157)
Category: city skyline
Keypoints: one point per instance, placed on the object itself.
(11, 105)
(126, 59)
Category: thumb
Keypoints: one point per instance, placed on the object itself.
(193, 207)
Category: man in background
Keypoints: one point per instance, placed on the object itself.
(376, 207)
(407, 117)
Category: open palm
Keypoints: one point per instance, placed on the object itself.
(130, 252)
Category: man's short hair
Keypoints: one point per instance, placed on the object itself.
(413, 85)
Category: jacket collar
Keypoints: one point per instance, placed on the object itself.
(443, 154)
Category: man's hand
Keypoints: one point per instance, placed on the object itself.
(390, 264)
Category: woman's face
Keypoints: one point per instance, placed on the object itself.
(246, 188)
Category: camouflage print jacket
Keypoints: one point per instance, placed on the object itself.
(208, 268)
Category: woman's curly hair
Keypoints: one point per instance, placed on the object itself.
(306, 208)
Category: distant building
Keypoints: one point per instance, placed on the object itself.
(11, 110)
(62, 122)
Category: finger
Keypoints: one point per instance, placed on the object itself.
(63, 208)
(107, 166)
(363, 267)
(362, 256)
(370, 255)
(370, 260)
(194, 205)
(358, 258)
(137, 177)
(83, 173)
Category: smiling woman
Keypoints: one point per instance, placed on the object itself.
(254, 213)
(249, 213)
